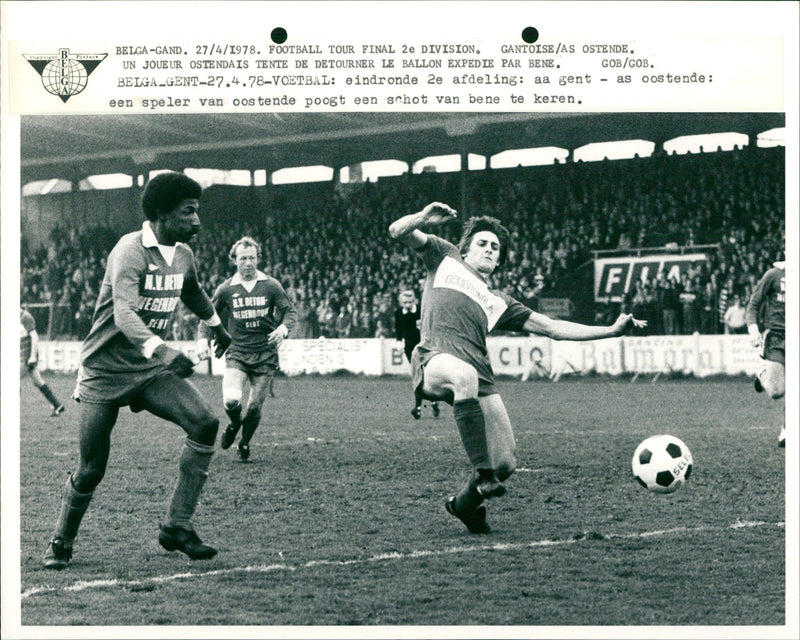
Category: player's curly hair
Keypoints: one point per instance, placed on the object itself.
(244, 241)
(485, 223)
(165, 191)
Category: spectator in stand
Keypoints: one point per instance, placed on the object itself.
(702, 199)
(638, 307)
(659, 293)
(653, 312)
(688, 298)
(366, 322)
(725, 298)
(735, 317)
(303, 330)
(707, 298)
(325, 318)
(343, 322)
(672, 305)
(313, 304)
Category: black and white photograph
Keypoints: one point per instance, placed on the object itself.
(347, 354)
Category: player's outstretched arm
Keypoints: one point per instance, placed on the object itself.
(407, 229)
(566, 330)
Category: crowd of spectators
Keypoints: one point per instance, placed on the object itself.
(333, 255)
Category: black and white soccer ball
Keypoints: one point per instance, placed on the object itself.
(662, 463)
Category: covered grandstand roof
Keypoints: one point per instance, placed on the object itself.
(74, 147)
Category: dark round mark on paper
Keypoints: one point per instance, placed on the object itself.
(278, 35)
(530, 34)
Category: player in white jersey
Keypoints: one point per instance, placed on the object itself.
(451, 362)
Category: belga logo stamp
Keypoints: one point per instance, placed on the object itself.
(65, 74)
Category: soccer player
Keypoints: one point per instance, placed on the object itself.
(406, 328)
(29, 360)
(768, 301)
(125, 361)
(259, 315)
(451, 362)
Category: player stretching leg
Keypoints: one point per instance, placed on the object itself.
(768, 301)
(125, 361)
(406, 328)
(29, 361)
(259, 315)
(451, 362)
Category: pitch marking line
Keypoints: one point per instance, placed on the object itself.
(384, 557)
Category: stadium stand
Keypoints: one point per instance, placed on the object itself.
(327, 243)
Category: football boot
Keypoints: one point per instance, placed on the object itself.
(474, 521)
(186, 541)
(57, 555)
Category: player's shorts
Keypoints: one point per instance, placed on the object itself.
(258, 363)
(773, 346)
(100, 386)
(421, 356)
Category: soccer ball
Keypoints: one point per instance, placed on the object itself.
(662, 463)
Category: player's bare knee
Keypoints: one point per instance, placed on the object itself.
(232, 404)
(465, 383)
(506, 468)
(775, 390)
(87, 478)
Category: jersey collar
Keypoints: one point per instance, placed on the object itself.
(149, 239)
(237, 279)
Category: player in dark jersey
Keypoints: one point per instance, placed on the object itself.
(451, 362)
(259, 315)
(406, 328)
(766, 324)
(125, 361)
(29, 360)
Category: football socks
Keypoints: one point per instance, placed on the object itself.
(73, 506)
(194, 463)
(250, 424)
(472, 427)
(234, 411)
(51, 398)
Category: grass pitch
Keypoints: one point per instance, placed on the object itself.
(339, 519)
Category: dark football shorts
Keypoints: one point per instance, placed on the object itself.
(420, 357)
(125, 387)
(258, 363)
(773, 346)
